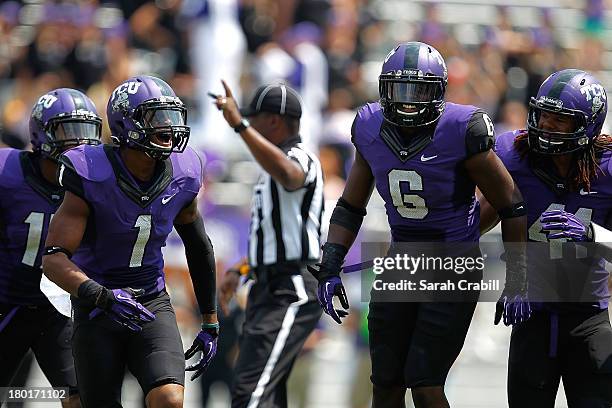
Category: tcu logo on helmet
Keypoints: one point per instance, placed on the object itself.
(593, 90)
(46, 101)
(129, 87)
(596, 93)
(120, 95)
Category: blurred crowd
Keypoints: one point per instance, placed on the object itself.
(329, 50)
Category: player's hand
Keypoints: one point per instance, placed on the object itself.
(562, 224)
(121, 306)
(227, 104)
(227, 289)
(206, 342)
(513, 304)
(514, 307)
(330, 286)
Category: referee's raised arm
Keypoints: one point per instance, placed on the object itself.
(276, 114)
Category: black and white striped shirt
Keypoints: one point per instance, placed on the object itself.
(286, 225)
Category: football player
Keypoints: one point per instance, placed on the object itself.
(562, 165)
(121, 203)
(426, 157)
(61, 119)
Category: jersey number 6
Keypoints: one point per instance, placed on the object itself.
(417, 208)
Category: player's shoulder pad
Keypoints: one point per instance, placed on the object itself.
(504, 143)
(188, 167)
(479, 131)
(10, 167)
(89, 162)
(606, 164)
(603, 183)
(366, 125)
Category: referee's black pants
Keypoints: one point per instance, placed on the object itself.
(282, 310)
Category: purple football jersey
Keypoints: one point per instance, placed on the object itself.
(27, 203)
(594, 205)
(429, 196)
(128, 226)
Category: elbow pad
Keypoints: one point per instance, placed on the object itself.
(347, 216)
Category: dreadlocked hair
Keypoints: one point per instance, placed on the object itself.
(586, 167)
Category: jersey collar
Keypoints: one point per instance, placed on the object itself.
(33, 176)
(128, 184)
(404, 147)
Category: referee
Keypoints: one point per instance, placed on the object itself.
(282, 308)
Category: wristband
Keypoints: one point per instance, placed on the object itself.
(211, 328)
(50, 250)
(244, 123)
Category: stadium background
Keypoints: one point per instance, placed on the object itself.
(497, 53)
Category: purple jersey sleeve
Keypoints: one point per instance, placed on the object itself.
(504, 142)
(366, 125)
(190, 169)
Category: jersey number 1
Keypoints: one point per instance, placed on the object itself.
(36, 221)
(143, 223)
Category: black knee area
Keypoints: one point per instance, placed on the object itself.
(388, 397)
(169, 398)
(429, 397)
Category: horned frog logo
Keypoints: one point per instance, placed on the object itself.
(121, 102)
(597, 104)
(37, 112)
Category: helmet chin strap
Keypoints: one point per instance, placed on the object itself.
(158, 155)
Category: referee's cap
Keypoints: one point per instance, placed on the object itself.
(274, 98)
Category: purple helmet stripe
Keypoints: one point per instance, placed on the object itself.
(561, 82)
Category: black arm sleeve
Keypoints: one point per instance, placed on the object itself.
(480, 134)
(201, 263)
(68, 177)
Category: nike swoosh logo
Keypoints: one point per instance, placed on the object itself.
(582, 192)
(165, 199)
(424, 159)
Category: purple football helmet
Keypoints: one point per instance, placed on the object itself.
(412, 84)
(61, 119)
(145, 114)
(572, 93)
